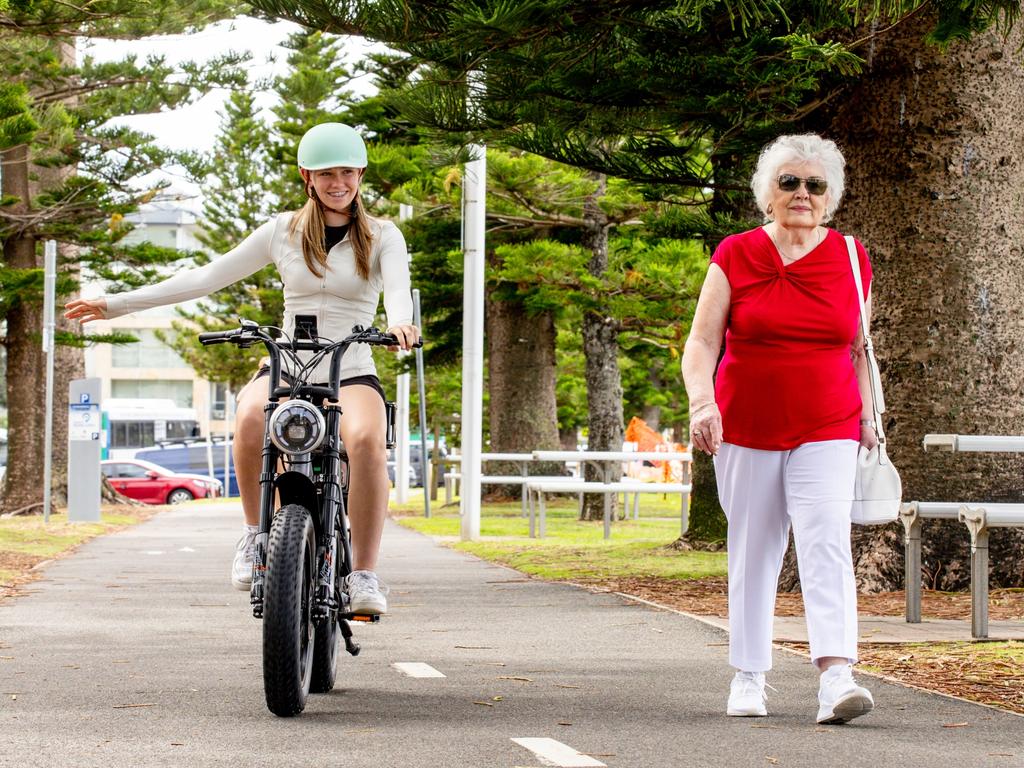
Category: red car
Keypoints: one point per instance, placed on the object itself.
(153, 484)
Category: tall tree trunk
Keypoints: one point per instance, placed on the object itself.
(27, 397)
(651, 412)
(521, 379)
(601, 349)
(25, 415)
(935, 149)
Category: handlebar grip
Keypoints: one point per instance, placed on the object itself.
(391, 340)
(213, 337)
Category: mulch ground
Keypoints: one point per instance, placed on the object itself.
(988, 673)
(709, 597)
(969, 670)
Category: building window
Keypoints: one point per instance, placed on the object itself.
(147, 352)
(178, 391)
(218, 400)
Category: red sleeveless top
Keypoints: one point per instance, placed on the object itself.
(787, 376)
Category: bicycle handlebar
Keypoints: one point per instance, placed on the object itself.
(250, 334)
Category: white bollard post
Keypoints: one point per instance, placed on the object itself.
(49, 327)
(474, 212)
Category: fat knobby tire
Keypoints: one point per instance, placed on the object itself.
(289, 584)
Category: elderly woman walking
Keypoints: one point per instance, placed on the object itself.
(785, 416)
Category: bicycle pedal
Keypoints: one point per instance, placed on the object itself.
(366, 618)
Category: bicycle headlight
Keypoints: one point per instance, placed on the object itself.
(297, 427)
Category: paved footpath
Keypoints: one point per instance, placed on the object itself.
(136, 652)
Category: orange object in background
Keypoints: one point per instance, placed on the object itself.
(647, 439)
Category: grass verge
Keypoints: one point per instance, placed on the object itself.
(575, 550)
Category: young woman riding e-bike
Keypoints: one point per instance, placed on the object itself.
(334, 261)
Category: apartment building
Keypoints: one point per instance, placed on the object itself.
(149, 368)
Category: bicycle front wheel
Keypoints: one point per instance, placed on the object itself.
(288, 630)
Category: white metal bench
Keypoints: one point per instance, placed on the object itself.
(979, 517)
(455, 477)
(538, 487)
(609, 467)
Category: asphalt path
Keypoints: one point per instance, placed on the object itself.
(135, 651)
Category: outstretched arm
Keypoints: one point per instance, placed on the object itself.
(247, 257)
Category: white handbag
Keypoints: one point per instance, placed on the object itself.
(878, 490)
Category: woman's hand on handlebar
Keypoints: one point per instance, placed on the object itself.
(86, 310)
(407, 335)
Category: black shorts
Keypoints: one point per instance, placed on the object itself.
(366, 380)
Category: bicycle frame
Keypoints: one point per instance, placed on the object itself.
(317, 481)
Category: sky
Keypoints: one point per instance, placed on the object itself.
(195, 127)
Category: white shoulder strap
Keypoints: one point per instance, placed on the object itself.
(878, 400)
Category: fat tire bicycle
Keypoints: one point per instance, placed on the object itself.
(303, 548)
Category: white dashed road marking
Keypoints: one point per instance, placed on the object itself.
(551, 752)
(153, 552)
(417, 669)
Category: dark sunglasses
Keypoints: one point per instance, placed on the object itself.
(790, 183)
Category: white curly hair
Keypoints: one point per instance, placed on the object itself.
(799, 148)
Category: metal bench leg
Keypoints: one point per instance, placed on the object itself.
(607, 515)
(533, 534)
(543, 514)
(523, 493)
(912, 569)
(975, 521)
(979, 585)
(636, 506)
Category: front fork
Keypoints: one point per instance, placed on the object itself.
(267, 474)
(329, 600)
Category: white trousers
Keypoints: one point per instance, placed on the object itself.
(762, 492)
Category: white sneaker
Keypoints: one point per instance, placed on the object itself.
(746, 695)
(245, 557)
(840, 699)
(366, 593)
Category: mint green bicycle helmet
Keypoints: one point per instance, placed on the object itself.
(331, 145)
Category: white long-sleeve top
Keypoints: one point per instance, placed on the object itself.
(340, 299)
